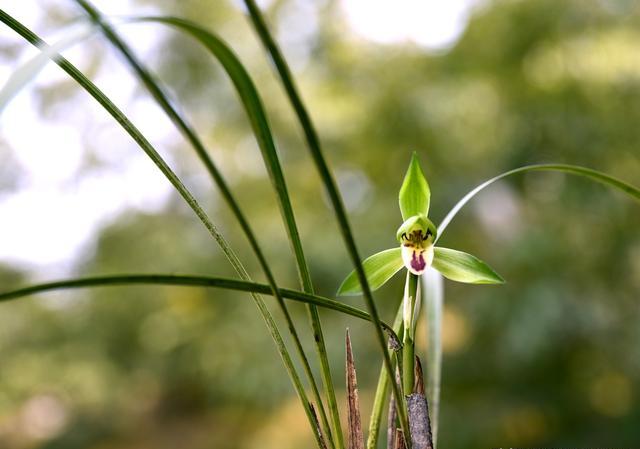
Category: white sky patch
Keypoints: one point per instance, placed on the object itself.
(50, 152)
(433, 24)
(57, 209)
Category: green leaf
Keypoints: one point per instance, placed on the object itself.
(379, 268)
(585, 172)
(122, 119)
(414, 194)
(313, 142)
(258, 118)
(186, 281)
(463, 267)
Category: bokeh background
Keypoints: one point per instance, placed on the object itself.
(551, 359)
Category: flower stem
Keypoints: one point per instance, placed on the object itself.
(408, 350)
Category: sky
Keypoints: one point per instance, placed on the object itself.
(57, 206)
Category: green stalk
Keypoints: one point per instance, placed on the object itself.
(187, 131)
(408, 346)
(313, 143)
(105, 102)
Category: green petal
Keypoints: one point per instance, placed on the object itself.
(463, 267)
(414, 194)
(379, 268)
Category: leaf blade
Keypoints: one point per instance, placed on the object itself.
(577, 170)
(462, 267)
(185, 281)
(126, 124)
(415, 196)
(379, 268)
(257, 116)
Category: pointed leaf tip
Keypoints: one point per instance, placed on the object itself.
(415, 196)
(463, 267)
(378, 268)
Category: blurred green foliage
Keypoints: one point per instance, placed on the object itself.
(549, 359)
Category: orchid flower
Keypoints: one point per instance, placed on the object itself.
(416, 251)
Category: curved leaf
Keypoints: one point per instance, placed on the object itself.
(126, 124)
(379, 268)
(313, 142)
(258, 119)
(594, 175)
(415, 196)
(186, 281)
(463, 267)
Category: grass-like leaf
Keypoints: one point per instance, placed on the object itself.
(126, 124)
(463, 267)
(255, 111)
(379, 269)
(415, 196)
(188, 281)
(584, 172)
(313, 143)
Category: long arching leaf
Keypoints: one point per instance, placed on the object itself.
(588, 173)
(187, 281)
(126, 124)
(313, 143)
(258, 119)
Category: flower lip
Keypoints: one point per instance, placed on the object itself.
(416, 236)
(417, 260)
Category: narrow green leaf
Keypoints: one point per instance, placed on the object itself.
(313, 143)
(463, 267)
(588, 173)
(415, 195)
(126, 124)
(258, 119)
(187, 281)
(379, 268)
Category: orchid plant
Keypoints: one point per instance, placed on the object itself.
(417, 236)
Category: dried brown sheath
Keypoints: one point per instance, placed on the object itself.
(418, 386)
(356, 437)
